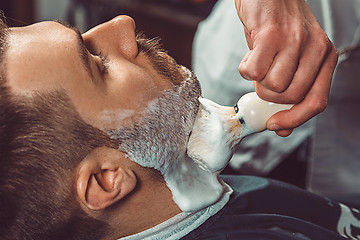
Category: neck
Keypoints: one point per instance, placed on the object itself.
(150, 204)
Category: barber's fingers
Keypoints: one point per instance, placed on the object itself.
(284, 133)
(256, 63)
(282, 70)
(314, 102)
(272, 62)
(312, 57)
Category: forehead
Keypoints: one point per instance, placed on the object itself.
(51, 33)
(36, 50)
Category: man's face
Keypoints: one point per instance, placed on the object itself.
(49, 56)
(134, 80)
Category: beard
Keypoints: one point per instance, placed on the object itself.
(161, 134)
(161, 61)
(160, 137)
(158, 140)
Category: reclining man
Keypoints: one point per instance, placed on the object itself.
(84, 122)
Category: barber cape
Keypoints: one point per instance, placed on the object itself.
(262, 209)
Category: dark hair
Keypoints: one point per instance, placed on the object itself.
(3, 43)
(42, 141)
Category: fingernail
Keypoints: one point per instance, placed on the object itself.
(246, 77)
(274, 127)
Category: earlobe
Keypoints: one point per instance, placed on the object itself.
(102, 180)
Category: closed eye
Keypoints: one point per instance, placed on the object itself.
(103, 66)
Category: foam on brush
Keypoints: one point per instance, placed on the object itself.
(215, 134)
(218, 130)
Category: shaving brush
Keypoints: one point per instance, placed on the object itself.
(217, 129)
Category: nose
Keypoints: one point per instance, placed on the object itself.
(114, 37)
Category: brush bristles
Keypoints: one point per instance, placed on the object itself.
(214, 136)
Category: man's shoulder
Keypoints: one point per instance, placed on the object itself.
(261, 208)
(245, 184)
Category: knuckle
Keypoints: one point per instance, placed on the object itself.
(334, 55)
(251, 72)
(299, 34)
(271, 32)
(256, 74)
(242, 70)
(277, 86)
(318, 106)
(296, 97)
(323, 45)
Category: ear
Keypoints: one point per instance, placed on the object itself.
(103, 178)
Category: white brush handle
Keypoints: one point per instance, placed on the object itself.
(255, 112)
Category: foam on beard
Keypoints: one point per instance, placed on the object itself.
(159, 140)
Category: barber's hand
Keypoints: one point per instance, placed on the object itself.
(291, 59)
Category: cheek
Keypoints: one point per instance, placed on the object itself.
(134, 90)
(126, 91)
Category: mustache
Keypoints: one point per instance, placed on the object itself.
(158, 56)
(148, 45)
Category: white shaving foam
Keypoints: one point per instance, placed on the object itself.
(215, 134)
(218, 130)
(193, 187)
(116, 117)
(160, 139)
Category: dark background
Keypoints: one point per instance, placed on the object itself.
(175, 21)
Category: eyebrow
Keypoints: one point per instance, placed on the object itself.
(83, 53)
